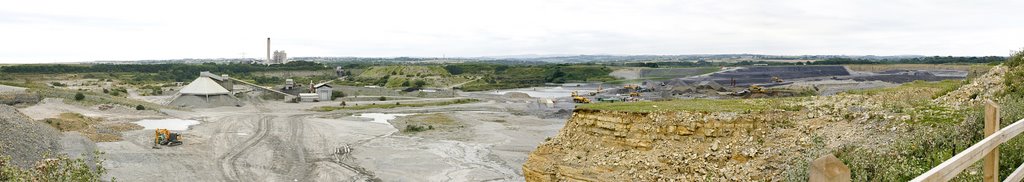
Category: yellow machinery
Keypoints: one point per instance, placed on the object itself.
(776, 79)
(756, 89)
(634, 94)
(579, 99)
(165, 137)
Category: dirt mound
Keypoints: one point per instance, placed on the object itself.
(981, 88)
(14, 98)
(517, 95)
(25, 140)
(678, 146)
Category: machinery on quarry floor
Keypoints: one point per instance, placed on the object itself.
(756, 91)
(166, 137)
(579, 99)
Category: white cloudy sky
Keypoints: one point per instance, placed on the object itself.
(75, 30)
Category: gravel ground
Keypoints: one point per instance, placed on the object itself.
(274, 141)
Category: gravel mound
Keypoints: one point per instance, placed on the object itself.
(194, 101)
(517, 95)
(25, 140)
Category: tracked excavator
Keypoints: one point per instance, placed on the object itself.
(166, 138)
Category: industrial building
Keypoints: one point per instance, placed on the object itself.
(323, 91)
(208, 90)
(278, 57)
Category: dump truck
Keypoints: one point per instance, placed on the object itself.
(166, 138)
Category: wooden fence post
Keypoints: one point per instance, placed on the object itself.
(991, 164)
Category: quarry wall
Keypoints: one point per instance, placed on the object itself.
(611, 146)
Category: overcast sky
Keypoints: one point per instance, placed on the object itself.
(76, 30)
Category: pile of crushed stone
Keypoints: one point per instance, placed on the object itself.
(25, 140)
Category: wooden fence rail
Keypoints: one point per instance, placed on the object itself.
(987, 148)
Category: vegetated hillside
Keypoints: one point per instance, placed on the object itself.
(25, 140)
(408, 76)
(506, 77)
(409, 71)
(145, 73)
(890, 134)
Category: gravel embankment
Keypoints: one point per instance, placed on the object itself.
(25, 140)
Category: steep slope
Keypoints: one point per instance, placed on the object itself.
(25, 140)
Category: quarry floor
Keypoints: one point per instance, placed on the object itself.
(276, 141)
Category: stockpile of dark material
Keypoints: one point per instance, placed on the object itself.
(25, 140)
(763, 74)
(904, 76)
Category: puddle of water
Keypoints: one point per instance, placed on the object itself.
(170, 124)
(381, 117)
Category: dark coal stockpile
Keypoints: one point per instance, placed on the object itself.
(763, 74)
(904, 76)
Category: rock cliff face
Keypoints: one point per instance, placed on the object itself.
(622, 146)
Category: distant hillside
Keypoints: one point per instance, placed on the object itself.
(408, 76)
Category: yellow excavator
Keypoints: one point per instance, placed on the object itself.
(579, 99)
(166, 137)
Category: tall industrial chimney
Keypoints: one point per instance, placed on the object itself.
(268, 50)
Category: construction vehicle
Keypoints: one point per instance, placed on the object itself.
(166, 137)
(753, 89)
(631, 87)
(579, 99)
(634, 94)
(594, 93)
(776, 79)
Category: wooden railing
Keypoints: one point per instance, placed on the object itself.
(987, 148)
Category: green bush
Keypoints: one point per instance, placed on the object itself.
(382, 98)
(79, 96)
(417, 128)
(140, 107)
(335, 94)
(1014, 79)
(59, 168)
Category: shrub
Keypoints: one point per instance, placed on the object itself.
(58, 84)
(335, 94)
(59, 168)
(382, 98)
(79, 96)
(140, 107)
(417, 128)
(1014, 79)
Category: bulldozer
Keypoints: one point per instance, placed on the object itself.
(166, 138)
(579, 99)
